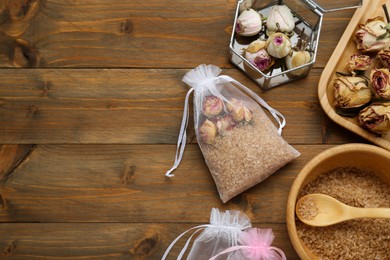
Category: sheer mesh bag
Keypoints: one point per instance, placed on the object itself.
(239, 142)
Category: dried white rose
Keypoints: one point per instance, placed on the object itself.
(248, 23)
(280, 19)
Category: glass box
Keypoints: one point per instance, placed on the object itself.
(308, 16)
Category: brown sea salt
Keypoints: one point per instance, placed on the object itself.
(307, 209)
(247, 155)
(354, 239)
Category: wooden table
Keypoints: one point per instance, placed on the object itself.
(91, 101)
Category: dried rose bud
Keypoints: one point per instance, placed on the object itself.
(239, 111)
(359, 62)
(225, 124)
(280, 19)
(376, 117)
(212, 106)
(372, 36)
(208, 132)
(278, 45)
(351, 92)
(257, 55)
(380, 80)
(296, 59)
(248, 23)
(384, 57)
(246, 4)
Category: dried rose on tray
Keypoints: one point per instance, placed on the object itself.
(384, 57)
(376, 117)
(353, 94)
(359, 62)
(380, 81)
(350, 93)
(373, 36)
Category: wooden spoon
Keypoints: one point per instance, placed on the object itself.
(321, 210)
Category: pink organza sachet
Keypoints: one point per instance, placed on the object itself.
(254, 244)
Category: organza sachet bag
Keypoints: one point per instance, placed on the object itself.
(240, 144)
(222, 233)
(253, 244)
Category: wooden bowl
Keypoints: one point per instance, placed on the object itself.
(362, 156)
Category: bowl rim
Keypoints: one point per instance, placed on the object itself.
(304, 172)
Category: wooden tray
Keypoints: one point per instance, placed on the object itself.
(344, 49)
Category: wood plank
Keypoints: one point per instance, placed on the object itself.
(10, 157)
(126, 183)
(105, 241)
(128, 33)
(43, 106)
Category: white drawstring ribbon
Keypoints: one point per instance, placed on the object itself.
(181, 142)
(198, 228)
(182, 139)
(236, 248)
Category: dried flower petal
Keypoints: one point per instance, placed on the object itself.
(212, 106)
(208, 132)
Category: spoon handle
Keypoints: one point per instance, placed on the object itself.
(371, 212)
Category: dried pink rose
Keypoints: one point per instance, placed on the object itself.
(380, 80)
(239, 111)
(225, 124)
(248, 23)
(351, 92)
(212, 106)
(384, 57)
(208, 132)
(258, 56)
(278, 45)
(359, 62)
(376, 118)
(372, 36)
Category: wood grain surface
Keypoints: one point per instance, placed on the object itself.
(91, 102)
